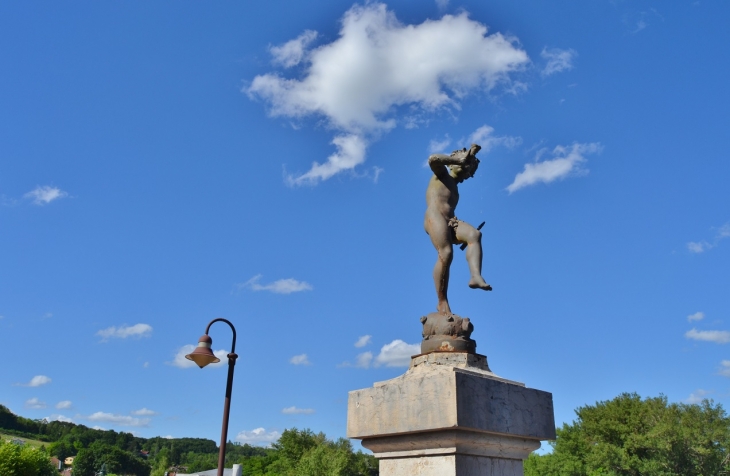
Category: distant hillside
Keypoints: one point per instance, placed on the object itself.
(82, 436)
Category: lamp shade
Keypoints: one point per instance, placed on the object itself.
(203, 355)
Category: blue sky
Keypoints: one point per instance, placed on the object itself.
(166, 163)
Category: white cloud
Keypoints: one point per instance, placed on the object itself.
(181, 362)
(697, 316)
(121, 420)
(168, 437)
(364, 360)
(557, 60)
(34, 403)
(699, 246)
(397, 354)
(144, 412)
(567, 161)
(64, 405)
(362, 341)
(300, 359)
(36, 381)
(718, 337)
(43, 195)
(297, 411)
(697, 396)
(350, 153)
(442, 4)
(146, 365)
(282, 286)
(62, 418)
(439, 146)
(702, 246)
(258, 436)
(122, 332)
(724, 368)
(724, 231)
(377, 64)
(292, 52)
(97, 427)
(484, 136)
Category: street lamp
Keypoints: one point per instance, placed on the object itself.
(202, 356)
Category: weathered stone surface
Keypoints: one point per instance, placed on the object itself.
(450, 415)
(451, 465)
(450, 390)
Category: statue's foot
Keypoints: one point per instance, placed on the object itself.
(479, 283)
(443, 308)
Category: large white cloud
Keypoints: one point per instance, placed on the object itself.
(566, 161)
(357, 82)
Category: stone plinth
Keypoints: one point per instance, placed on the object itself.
(449, 415)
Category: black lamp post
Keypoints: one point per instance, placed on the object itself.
(202, 356)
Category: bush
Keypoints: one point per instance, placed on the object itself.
(16, 460)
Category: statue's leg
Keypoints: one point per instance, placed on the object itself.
(465, 233)
(441, 278)
(440, 233)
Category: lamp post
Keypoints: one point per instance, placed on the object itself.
(202, 356)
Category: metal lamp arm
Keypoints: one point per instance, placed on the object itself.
(233, 329)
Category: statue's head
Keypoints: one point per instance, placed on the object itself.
(469, 167)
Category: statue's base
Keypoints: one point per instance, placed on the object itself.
(447, 333)
(449, 415)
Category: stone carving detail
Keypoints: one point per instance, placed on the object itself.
(447, 333)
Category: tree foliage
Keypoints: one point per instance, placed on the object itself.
(628, 436)
(90, 460)
(298, 452)
(17, 460)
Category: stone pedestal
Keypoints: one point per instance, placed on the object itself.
(449, 415)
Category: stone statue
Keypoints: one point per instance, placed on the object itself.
(444, 228)
(442, 330)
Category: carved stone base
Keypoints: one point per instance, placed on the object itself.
(447, 333)
(449, 415)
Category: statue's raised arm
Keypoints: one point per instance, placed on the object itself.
(438, 162)
(444, 228)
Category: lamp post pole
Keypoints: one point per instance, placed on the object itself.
(203, 355)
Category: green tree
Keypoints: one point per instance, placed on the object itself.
(16, 460)
(628, 436)
(89, 460)
(160, 467)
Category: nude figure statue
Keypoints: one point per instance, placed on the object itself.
(444, 228)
